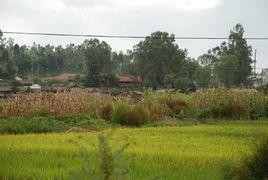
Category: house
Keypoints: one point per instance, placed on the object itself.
(65, 77)
(35, 88)
(6, 89)
(2, 95)
(129, 81)
(26, 83)
(264, 75)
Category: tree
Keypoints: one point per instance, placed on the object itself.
(231, 60)
(227, 69)
(239, 48)
(22, 60)
(156, 57)
(98, 63)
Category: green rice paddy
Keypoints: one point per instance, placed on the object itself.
(188, 152)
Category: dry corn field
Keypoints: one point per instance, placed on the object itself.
(56, 104)
(158, 104)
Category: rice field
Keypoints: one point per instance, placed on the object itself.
(187, 152)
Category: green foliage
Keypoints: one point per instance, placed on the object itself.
(36, 80)
(220, 103)
(85, 121)
(45, 124)
(158, 60)
(253, 167)
(263, 88)
(225, 110)
(230, 63)
(230, 104)
(98, 62)
(168, 103)
(157, 56)
(130, 114)
(106, 110)
(78, 79)
(32, 125)
(227, 68)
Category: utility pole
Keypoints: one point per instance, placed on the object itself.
(255, 62)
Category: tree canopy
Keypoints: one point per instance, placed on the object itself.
(157, 59)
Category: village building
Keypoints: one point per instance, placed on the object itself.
(35, 88)
(129, 81)
(264, 75)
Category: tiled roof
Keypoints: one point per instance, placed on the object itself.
(131, 79)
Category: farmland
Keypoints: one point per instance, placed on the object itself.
(188, 152)
(159, 135)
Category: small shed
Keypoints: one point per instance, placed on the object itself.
(35, 88)
(129, 81)
(6, 89)
(2, 95)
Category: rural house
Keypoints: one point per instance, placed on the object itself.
(129, 81)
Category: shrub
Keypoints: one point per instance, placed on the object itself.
(167, 103)
(256, 166)
(85, 121)
(132, 115)
(229, 104)
(33, 125)
(176, 107)
(106, 110)
(36, 80)
(49, 124)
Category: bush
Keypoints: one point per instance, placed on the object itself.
(132, 115)
(85, 121)
(33, 125)
(37, 80)
(177, 107)
(167, 103)
(106, 110)
(230, 104)
(49, 124)
(255, 167)
(225, 110)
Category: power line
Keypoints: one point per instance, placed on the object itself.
(123, 36)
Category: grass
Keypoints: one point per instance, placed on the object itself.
(220, 103)
(187, 152)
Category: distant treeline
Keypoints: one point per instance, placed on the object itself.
(158, 60)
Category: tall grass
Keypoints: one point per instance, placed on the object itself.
(230, 104)
(208, 103)
(59, 105)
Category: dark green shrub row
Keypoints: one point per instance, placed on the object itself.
(48, 124)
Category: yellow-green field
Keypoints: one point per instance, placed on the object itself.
(189, 152)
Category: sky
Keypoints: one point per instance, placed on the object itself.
(213, 18)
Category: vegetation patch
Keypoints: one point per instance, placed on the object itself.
(49, 124)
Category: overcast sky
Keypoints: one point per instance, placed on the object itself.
(137, 17)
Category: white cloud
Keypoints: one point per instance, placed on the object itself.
(135, 17)
(180, 5)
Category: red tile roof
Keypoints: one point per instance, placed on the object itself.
(129, 79)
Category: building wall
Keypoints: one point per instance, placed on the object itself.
(265, 75)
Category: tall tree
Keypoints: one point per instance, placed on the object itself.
(98, 62)
(156, 57)
(230, 63)
(239, 48)
(227, 69)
